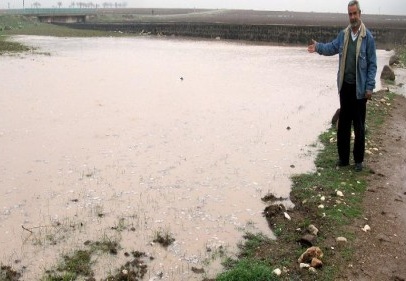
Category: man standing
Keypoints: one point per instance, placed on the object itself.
(355, 80)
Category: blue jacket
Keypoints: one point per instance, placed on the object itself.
(365, 58)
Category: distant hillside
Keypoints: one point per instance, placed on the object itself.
(243, 17)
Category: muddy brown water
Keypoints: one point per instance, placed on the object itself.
(121, 138)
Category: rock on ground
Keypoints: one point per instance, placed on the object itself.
(388, 73)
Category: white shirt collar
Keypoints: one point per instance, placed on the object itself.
(355, 35)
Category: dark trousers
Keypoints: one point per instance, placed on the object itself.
(352, 112)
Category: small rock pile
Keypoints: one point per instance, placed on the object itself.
(311, 258)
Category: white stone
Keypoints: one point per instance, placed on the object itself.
(340, 193)
(321, 206)
(341, 240)
(287, 215)
(312, 229)
(304, 265)
(366, 228)
(277, 271)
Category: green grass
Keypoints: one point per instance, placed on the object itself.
(11, 47)
(73, 266)
(252, 243)
(79, 263)
(7, 273)
(401, 52)
(14, 22)
(248, 270)
(164, 238)
(22, 25)
(67, 276)
(106, 245)
(327, 180)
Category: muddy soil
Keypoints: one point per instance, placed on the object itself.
(380, 254)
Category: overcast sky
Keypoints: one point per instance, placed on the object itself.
(393, 7)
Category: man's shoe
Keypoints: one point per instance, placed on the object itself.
(358, 167)
(342, 164)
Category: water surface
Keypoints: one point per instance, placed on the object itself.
(146, 135)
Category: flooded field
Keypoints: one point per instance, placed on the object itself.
(124, 138)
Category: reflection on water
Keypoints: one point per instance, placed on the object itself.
(124, 138)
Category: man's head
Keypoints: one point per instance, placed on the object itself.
(354, 13)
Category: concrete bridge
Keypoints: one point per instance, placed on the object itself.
(58, 15)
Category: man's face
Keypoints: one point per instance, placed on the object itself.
(354, 16)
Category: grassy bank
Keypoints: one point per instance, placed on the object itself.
(329, 198)
(401, 52)
(11, 47)
(22, 25)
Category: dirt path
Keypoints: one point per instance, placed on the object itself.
(381, 252)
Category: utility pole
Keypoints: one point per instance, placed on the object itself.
(23, 4)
